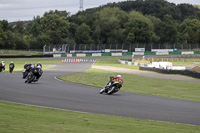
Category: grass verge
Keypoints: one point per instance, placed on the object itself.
(18, 118)
(113, 62)
(20, 68)
(139, 84)
(20, 52)
(19, 63)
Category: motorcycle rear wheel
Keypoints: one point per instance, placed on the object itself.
(111, 91)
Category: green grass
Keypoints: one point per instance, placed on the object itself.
(20, 52)
(113, 62)
(17, 118)
(36, 60)
(139, 84)
(197, 6)
(19, 63)
(20, 68)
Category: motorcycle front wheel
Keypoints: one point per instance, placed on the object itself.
(101, 90)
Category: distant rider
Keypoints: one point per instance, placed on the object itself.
(11, 67)
(3, 64)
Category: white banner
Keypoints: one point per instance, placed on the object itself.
(107, 50)
(96, 54)
(56, 55)
(187, 52)
(69, 55)
(139, 49)
(162, 50)
(116, 54)
(80, 55)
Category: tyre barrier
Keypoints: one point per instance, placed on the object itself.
(190, 73)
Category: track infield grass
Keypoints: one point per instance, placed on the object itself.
(19, 64)
(139, 84)
(18, 118)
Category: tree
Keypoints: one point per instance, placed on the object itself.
(19, 41)
(34, 27)
(110, 22)
(56, 27)
(168, 30)
(83, 35)
(190, 31)
(19, 28)
(2, 36)
(138, 32)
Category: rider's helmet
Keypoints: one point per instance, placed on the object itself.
(111, 77)
(119, 76)
(32, 65)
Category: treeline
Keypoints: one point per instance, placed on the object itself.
(130, 22)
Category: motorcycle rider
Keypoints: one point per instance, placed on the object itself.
(36, 71)
(11, 66)
(118, 78)
(39, 64)
(25, 65)
(3, 64)
(27, 68)
(32, 65)
(0, 67)
(112, 80)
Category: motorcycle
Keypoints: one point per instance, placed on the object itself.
(26, 71)
(34, 75)
(2, 67)
(110, 89)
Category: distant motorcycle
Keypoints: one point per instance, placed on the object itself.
(110, 89)
(34, 75)
(0, 67)
(11, 67)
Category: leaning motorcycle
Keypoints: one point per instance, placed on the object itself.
(34, 75)
(26, 71)
(110, 89)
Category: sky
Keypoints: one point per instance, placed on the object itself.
(22, 10)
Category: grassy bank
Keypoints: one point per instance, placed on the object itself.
(113, 62)
(35, 60)
(17, 118)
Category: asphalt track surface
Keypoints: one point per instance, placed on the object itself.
(49, 92)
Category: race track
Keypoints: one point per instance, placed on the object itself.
(50, 92)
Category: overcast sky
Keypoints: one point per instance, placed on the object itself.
(15, 10)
